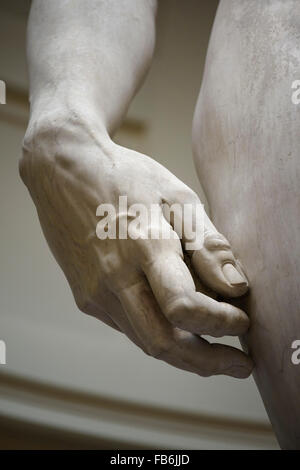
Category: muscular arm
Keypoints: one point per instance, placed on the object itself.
(86, 60)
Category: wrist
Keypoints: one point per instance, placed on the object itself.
(60, 134)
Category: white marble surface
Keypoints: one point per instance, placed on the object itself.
(47, 338)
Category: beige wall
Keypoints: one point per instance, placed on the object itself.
(48, 340)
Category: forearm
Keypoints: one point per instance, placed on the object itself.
(88, 57)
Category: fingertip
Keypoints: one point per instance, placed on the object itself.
(231, 361)
(217, 266)
(238, 364)
(238, 320)
(240, 371)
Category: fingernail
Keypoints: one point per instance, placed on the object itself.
(233, 276)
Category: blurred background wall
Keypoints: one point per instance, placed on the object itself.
(71, 381)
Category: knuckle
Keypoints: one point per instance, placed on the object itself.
(192, 196)
(159, 348)
(86, 300)
(206, 373)
(216, 242)
(211, 365)
(213, 322)
(187, 194)
(83, 303)
(177, 310)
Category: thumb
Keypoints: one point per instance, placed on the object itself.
(217, 266)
